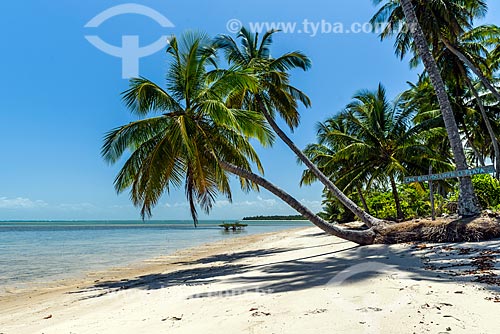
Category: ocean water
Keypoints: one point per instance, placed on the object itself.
(41, 252)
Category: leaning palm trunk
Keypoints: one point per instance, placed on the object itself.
(365, 237)
(486, 120)
(346, 201)
(479, 156)
(467, 202)
(363, 200)
(397, 200)
(474, 68)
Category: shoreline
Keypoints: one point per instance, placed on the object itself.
(50, 257)
(292, 281)
(87, 278)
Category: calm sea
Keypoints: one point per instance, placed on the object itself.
(39, 252)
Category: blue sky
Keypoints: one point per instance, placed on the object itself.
(60, 94)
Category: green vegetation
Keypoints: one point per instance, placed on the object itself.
(487, 190)
(199, 131)
(294, 217)
(374, 141)
(415, 203)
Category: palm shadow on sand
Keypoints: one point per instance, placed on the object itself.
(418, 262)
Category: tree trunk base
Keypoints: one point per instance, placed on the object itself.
(471, 229)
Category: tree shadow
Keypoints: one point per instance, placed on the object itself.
(233, 257)
(351, 262)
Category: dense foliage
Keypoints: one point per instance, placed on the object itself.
(415, 202)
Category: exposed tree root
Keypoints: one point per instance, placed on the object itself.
(480, 228)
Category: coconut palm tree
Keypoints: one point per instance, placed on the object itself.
(471, 48)
(469, 53)
(322, 155)
(192, 130)
(439, 20)
(192, 139)
(415, 39)
(377, 141)
(277, 96)
(482, 118)
(448, 26)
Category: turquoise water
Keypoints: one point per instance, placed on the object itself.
(40, 252)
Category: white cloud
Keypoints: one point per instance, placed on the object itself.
(76, 206)
(270, 202)
(21, 203)
(259, 203)
(222, 203)
(313, 205)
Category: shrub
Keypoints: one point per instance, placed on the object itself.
(415, 203)
(487, 190)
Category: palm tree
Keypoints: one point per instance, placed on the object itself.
(416, 40)
(482, 117)
(193, 139)
(492, 39)
(448, 27)
(192, 131)
(321, 154)
(277, 96)
(470, 46)
(469, 52)
(377, 141)
(447, 24)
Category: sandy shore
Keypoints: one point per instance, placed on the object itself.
(298, 281)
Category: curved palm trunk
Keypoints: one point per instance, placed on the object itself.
(479, 156)
(349, 204)
(486, 120)
(365, 237)
(473, 67)
(395, 194)
(362, 198)
(467, 202)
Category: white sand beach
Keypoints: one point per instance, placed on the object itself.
(297, 281)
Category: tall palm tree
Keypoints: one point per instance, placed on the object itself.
(421, 97)
(492, 39)
(469, 52)
(482, 117)
(417, 40)
(191, 131)
(322, 155)
(448, 26)
(470, 46)
(377, 142)
(462, 90)
(193, 139)
(277, 96)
